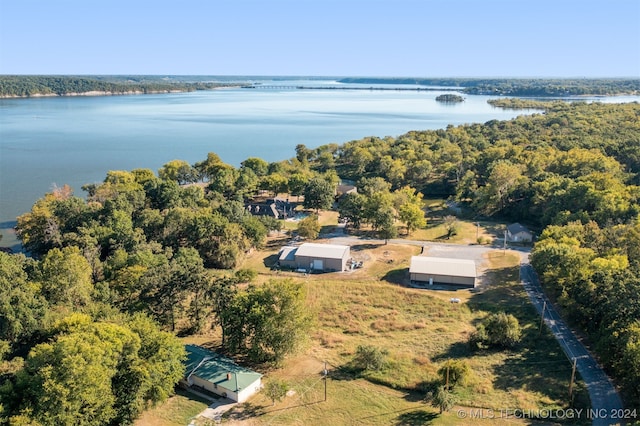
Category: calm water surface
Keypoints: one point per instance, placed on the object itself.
(55, 141)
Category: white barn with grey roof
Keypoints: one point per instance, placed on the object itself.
(315, 257)
(440, 270)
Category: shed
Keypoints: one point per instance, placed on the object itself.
(316, 257)
(517, 233)
(219, 375)
(287, 256)
(442, 270)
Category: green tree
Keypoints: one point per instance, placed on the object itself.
(211, 166)
(276, 390)
(179, 171)
(66, 277)
(275, 182)
(451, 225)
(257, 165)
(413, 216)
(22, 309)
(443, 399)
(351, 208)
(454, 372)
(277, 320)
(309, 227)
(318, 194)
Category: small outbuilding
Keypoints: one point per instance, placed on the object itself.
(517, 233)
(440, 270)
(212, 372)
(315, 257)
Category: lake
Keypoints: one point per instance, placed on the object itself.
(76, 140)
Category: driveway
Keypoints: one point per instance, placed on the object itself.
(215, 410)
(605, 400)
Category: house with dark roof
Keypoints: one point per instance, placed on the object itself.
(274, 207)
(440, 270)
(517, 233)
(213, 372)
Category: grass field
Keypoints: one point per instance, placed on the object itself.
(418, 329)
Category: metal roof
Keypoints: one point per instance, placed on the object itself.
(327, 251)
(516, 228)
(288, 253)
(442, 266)
(217, 369)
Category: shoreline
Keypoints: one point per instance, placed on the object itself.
(108, 93)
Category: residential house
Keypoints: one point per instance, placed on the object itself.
(214, 373)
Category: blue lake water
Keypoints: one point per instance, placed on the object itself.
(76, 140)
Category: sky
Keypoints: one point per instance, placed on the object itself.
(405, 38)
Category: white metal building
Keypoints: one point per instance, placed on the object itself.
(315, 257)
(440, 270)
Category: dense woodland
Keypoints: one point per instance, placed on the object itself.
(24, 86)
(519, 87)
(147, 251)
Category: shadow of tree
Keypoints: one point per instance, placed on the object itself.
(397, 276)
(368, 246)
(456, 350)
(246, 411)
(416, 418)
(345, 372)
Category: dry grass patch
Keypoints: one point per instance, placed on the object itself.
(419, 330)
(178, 410)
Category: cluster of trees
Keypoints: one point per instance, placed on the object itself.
(106, 272)
(23, 85)
(575, 161)
(592, 272)
(68, 358)
(265, 322)
(376, 205)
(519, 87)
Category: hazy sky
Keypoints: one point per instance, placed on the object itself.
(421, 38)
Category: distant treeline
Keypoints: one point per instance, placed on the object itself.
(24, 86)
(520, 87)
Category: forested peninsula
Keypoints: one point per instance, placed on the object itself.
(89, 320)
(20, 86)
(519, 87)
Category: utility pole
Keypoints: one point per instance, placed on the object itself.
(505, 242)
(325, 372)
(573, 376)
(446, 386)
(542, 317)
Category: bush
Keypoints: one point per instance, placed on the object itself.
(497, 330)
(369, 358)
(458, 372)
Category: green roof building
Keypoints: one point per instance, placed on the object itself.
(217, 374)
